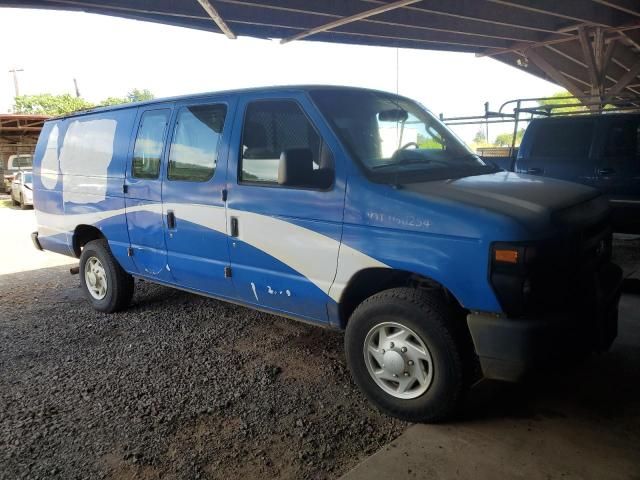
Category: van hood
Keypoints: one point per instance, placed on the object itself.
(529, 200)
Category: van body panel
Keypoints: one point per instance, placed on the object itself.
(197, 245)
(286, 252)
(143, 197)
(70, 190)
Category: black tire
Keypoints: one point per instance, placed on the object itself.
(22, 205)
(120, 284)
(14, 202)
(437, 326)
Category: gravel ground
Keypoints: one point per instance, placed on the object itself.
(178, 386)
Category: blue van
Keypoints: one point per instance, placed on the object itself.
(347, 208)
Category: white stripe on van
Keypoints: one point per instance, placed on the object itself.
(313, 255)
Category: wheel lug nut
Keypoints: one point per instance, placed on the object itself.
(383, 350)
(406, 374)
(391, 345)
(404, 349)
(410, 362)
(395, 375)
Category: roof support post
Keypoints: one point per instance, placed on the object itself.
(215, 16)
(350, 19)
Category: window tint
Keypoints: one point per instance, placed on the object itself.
(280, 128)
(562, 139)
(149, 142)
(194, 149)
(623, 139)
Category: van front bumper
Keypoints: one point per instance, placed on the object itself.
(510, 348)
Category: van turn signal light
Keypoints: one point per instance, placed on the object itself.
(506, 256)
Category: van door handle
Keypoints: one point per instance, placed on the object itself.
(171, 220)
(234, 227)
(535, 171)
(606, 171)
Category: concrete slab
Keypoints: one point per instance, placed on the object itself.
(580, 422)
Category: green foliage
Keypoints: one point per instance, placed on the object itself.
(137, 95)
(480, 136)
(505, 139)
(48, 104)
(556, 99)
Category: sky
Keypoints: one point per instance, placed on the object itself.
(110, 56)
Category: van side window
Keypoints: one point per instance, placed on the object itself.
(149, 142)
(280, 146)
(560, 139)
(194, 149)
(623, 139)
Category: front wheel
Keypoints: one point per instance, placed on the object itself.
(105, 283)
(405, 353)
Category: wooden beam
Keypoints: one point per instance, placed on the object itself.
(575, 10)
(518, 47)
(587, 52)
(215, 16)
(553, 73)
(350, 19)
(625, 80)
(627, 6)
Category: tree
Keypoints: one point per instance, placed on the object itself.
(480, 136)
(554, 100)
(48, 104)
(505, 139)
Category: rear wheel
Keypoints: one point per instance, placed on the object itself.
(22, 204)
(14, 202)
(406, 353)
(105, 283)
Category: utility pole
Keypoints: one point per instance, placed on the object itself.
(15, 79)
(75, 82)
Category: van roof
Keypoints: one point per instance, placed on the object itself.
(280, 88)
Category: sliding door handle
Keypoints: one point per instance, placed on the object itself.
(606, 171)
(171, 220)
(535, 171)
(234, 227)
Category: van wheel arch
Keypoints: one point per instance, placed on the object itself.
(371, 281)
(84, 234)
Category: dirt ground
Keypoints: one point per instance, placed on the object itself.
(178, 386)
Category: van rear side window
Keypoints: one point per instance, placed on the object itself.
(194, 149)
(149, 143)
(560, 139)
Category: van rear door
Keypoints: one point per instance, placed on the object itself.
(559, 148)
(143, 192)
(192, 195)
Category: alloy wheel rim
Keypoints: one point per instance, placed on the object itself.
(95, 278)
(398, 360)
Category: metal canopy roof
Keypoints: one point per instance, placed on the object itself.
(590, 47)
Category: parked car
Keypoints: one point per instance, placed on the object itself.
(22, 189)
(15, 163)
(299, 201)
(602, 151)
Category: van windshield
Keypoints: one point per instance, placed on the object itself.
(395, 139)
